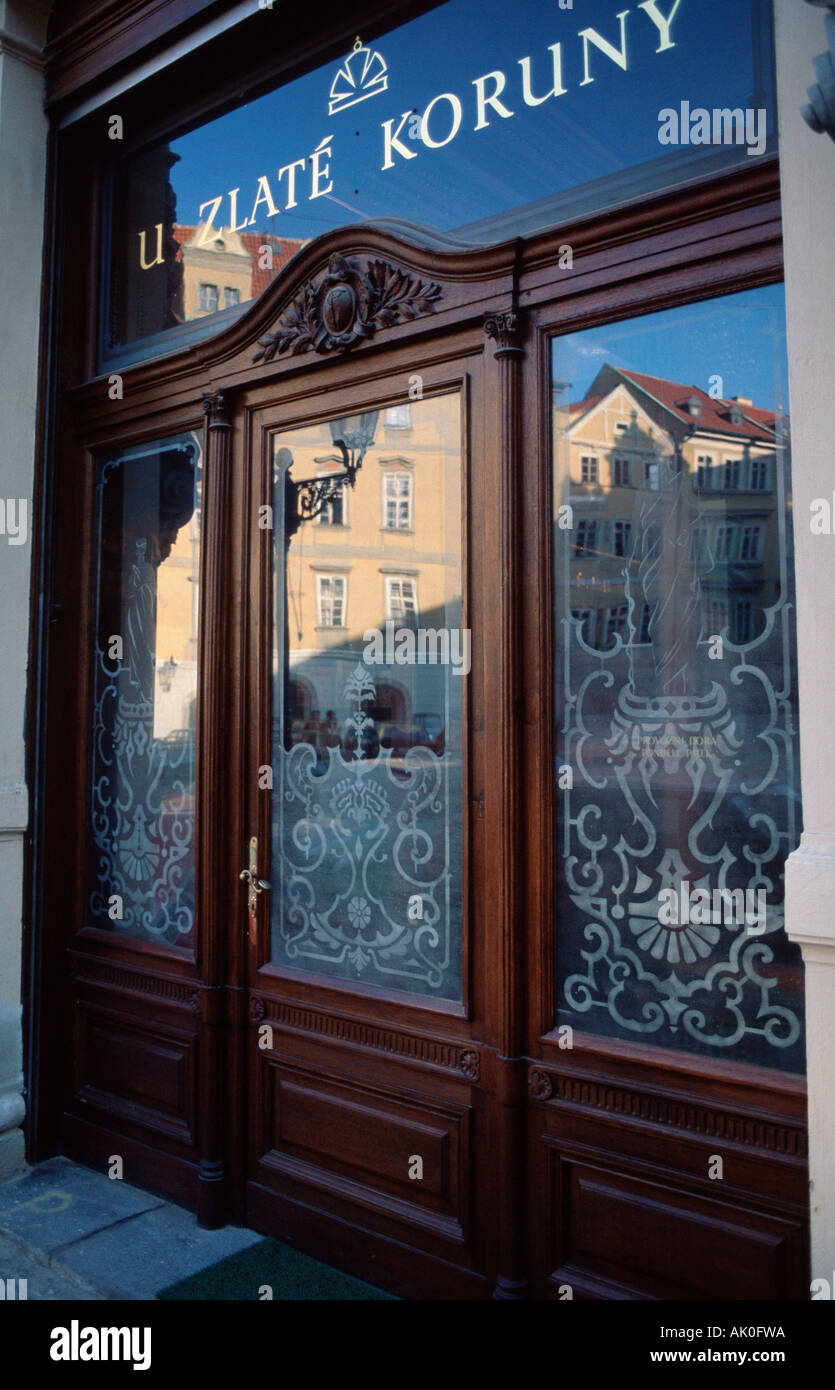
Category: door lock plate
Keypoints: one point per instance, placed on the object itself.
(254, 885)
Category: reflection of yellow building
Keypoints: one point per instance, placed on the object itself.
(388, 550)
(177, 600)
(224, 267)
(673, 506)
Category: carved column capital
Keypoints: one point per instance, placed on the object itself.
(505, 328)
(216, 409)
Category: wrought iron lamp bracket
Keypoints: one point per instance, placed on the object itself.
(307, 499)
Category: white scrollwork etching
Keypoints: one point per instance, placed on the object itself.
(685, 771)
(141, 874)
(364, 848)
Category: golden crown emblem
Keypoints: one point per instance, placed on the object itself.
(362, 75)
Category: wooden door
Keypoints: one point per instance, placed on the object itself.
(372, 1133)
(368, 1061)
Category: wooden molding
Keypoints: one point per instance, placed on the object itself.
(681, 1113)
(431, 1051)
(88, 969)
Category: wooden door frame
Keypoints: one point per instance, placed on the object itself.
(695, 243)
(465, 1037)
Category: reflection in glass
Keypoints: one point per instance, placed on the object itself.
(676, 719)
(477, 117)
(141, 841)
(367, 840)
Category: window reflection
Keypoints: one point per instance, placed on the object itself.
(141, 843)
(675, 679)
(367, 846)
(203, 221)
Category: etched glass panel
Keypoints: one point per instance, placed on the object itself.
(677, 778)
(369, 666)
(140, 871)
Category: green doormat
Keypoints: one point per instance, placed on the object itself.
(290, 1274)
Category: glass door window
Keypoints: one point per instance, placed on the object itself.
(367, 702)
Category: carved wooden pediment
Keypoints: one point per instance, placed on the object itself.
(347, 305)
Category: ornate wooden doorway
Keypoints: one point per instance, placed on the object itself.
(303, 914)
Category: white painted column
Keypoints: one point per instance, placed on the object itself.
(807, 164)
(23, 131)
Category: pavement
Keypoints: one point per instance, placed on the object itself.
(72, 1233)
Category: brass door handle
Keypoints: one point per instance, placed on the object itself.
(254, 884)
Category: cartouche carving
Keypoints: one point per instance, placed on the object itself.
(348, 306)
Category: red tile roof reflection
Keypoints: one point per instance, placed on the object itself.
(283, 248)
(715, 412)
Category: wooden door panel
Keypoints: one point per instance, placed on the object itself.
(365, 1059)
(615, 1231)
(143, 1079)
(352, 1142)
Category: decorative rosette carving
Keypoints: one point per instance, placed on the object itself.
(470, 1063)
(540, 1086)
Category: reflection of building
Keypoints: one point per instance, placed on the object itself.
(382, 552)
(227, 267)
(650, 462)
(176, 636)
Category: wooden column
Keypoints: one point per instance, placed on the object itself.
(504, 329)
(211, 793)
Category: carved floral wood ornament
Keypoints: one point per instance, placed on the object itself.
(347, 306)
